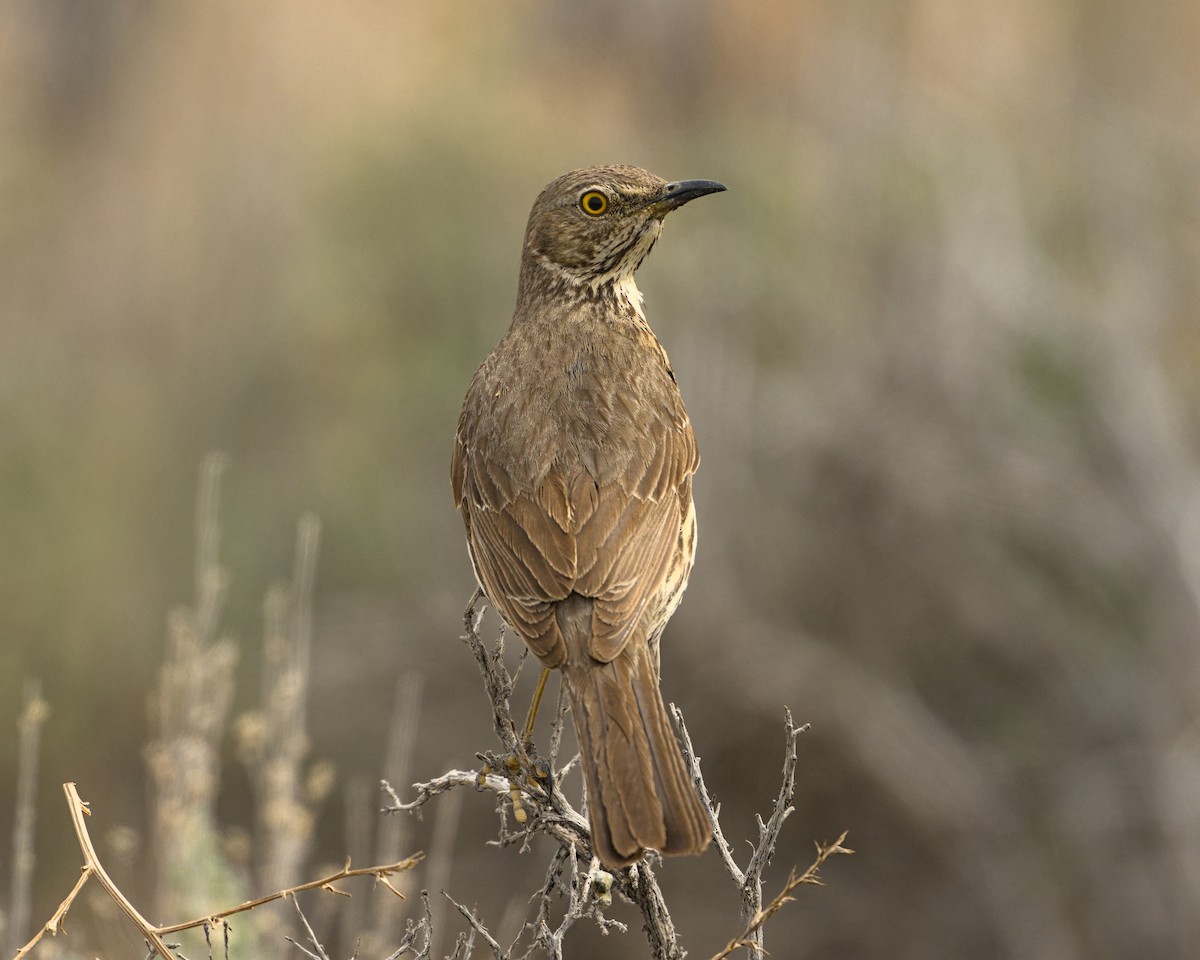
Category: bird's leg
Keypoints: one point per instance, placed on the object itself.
(523, 763)
(527, 737)
(538, 768)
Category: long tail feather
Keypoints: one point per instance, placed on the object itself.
(639, 792)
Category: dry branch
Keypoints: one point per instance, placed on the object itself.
(92, 867)
(526, 791)
(811, 876)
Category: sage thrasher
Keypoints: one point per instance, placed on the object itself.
(572, 469)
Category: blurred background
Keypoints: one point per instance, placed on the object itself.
(940, 342)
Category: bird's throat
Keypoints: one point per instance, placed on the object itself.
(548, 288)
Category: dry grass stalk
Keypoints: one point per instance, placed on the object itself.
(189, 711)
(273, 741)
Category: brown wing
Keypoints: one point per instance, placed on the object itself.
(521, 559)
(532, 544)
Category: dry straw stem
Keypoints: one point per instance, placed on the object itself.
(154, 934)
(189, 709)
(273, 740)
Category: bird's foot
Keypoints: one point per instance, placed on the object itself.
(524, 770)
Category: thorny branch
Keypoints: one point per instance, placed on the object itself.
(524, 783)
(477, 926)
(92, 867)
(812, 876)
(423, 929)
(381, 875)
(749, 881)
(529, 787)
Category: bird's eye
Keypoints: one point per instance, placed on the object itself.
(593, 203)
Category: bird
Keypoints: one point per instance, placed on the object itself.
(572, 470)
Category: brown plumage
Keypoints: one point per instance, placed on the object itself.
(572, 469)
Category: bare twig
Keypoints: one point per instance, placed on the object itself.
(318, 951)
(380, 873)
(208, 929)
(154, 934)
(714, 809)
(768, 833)
(501, 775)
(422, 928)
(587, 896)
(810, 876)
(497, 951)
(497, 680)
(57, 920)
(464, 946)
(519, 781)
(429, 789)
(441, 849)
(93, 868)
(749, 881)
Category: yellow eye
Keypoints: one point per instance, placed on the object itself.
(593, 203)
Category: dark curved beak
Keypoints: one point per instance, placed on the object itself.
(681, 191)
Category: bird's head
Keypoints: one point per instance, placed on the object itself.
(593, 227)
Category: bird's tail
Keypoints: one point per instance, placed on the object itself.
(640, 794)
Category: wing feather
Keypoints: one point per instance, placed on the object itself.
(589, 518)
